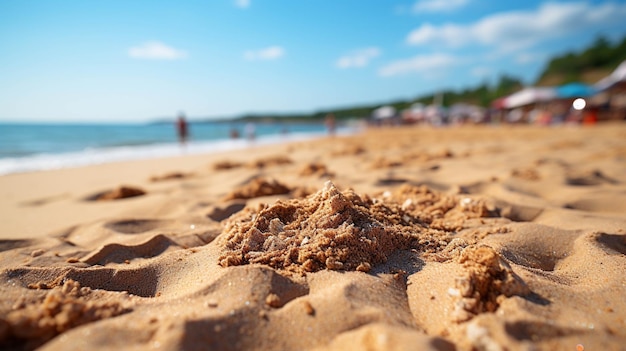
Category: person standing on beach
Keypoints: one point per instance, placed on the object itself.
(250, 131)
(182, 128)
(330, 124)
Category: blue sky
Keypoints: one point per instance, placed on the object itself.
(125, 61)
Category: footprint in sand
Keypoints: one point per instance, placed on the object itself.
(614, 242)
(518, 213)
(118, 253)
(170, 176)
(602, 200)
(589, 178)
(271, 161)
(45, 200)
(219, 214)
(140, 281)
(134, 226)
(316, 169)
(121, 192)
(531, 247)
(520, 330)
(258, 187)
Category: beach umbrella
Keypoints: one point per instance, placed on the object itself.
(529, 96)
(462, 109)
(384, 112)
(574, 90)
(619, 75)
(499, 104)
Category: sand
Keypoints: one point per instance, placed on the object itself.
(473, 238)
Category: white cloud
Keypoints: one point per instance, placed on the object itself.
(450, 34)
(438, 5)
(511, 31)
(526, 57)
(424, 64)
(242, 4)
(155, 50)
(480, 71)
(358, 58)
(269, 53)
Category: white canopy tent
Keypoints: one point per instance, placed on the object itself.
(619, 75)
(529, 96)
(384, 112)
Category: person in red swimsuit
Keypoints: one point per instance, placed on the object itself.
(182, 128)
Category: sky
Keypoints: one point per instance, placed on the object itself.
(135, 61)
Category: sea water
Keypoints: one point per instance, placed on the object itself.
(35, 147)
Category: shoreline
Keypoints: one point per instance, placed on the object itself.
(91, 156)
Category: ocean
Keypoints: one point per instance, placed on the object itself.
(36, 147)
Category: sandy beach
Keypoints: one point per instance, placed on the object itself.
(413, 238)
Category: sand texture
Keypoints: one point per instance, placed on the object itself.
(474, 238)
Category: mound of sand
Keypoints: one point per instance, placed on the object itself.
(121, 192)
(315, 169)
(258, 187)
(66, 306)
(343, 231)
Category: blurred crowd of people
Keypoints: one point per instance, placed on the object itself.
(555, 111)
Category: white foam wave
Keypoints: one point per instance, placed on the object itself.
(88, 157)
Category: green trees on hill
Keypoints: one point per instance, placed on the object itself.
(482, 95)
(571, 66)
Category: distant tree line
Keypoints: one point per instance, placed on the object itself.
(481, 95)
